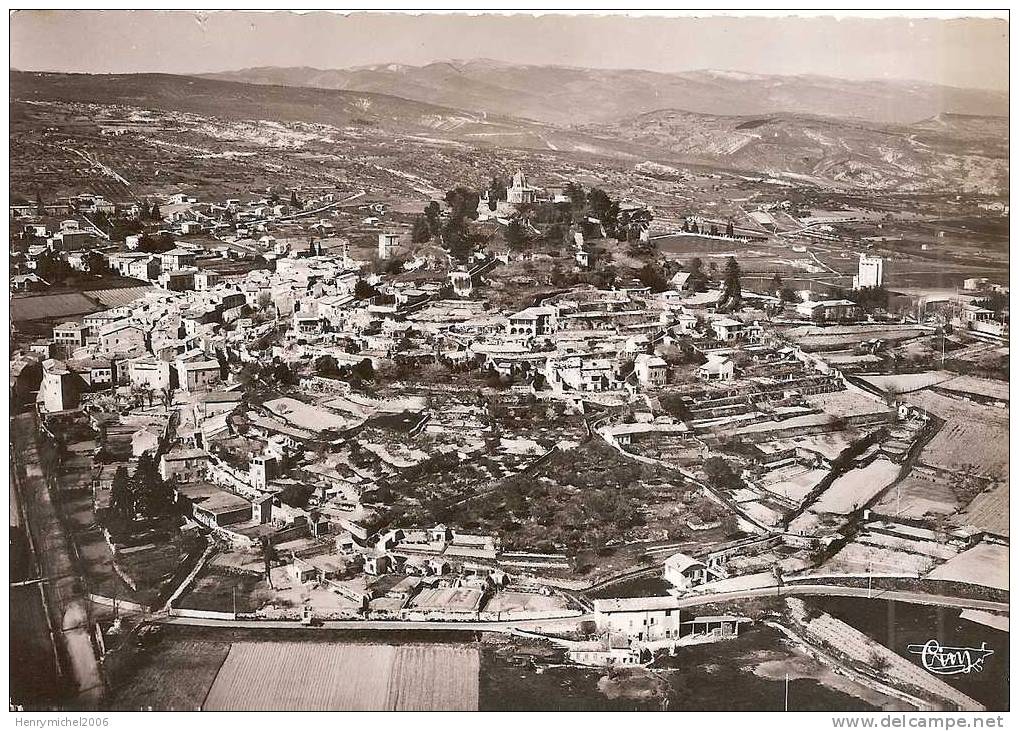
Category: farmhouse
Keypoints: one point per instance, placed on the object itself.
(684, 572)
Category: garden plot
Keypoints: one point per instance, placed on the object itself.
(829, 445)
(974, 438)
(306, 416)
(292, 676)
(989, 510)
(845, 404)
(855, 488)
(918, 496)
(985, 564)
(793, 483)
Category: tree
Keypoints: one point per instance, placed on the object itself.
(432, 211)
(730, 230)
(296, 496)
(154, 496)
(363, 290)
(516, 234)
(95, 263)
(364, 370)
(326, 365)
(496, 192)
(121, 497)
(698, 280)
(145, 211)
(456, 239)
(776, 284)
(40, 209)
(294, 202)
(463, 203)
(721, 475)
(732, 292)
(652, 276)
(788, 294)
(421, 232)
(154, 214)
(265, 301)
(575, 192)
(604, 209)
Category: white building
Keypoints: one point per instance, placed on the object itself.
(520, 192)
(651, 370)
(684, 572)
(387, 244)
(871, 273)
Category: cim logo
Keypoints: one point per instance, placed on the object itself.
(942, 660)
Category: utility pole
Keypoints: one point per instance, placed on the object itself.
(787, 692)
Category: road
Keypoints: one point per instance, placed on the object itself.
(529, 625)
(64, 592)
(566, 624)
(909, 597)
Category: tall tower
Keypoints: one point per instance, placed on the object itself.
(871, 272)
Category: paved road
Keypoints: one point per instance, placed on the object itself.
(529, 625)
(65, 593)
(909, 597)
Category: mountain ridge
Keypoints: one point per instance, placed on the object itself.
(569, 95)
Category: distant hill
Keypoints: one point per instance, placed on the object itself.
(567, 95)
(234, 100)
(965, 153)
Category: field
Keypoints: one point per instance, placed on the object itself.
(973, 440)
(856, 487)
(176, 676)
(985, 564)
(813, 338)
(918, 496)
(288, 676)
(989, 510)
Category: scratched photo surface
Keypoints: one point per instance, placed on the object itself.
(566, 362)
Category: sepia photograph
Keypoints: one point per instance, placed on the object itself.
(509, 361)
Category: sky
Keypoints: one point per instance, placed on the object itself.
(967, 52)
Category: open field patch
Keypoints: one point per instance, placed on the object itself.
(856, 487)
(290, 676)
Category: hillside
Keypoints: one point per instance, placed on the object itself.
(947, 152)
(233, 100)
(567, 95)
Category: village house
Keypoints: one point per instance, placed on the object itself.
(651, 370)
(184, 465)
(717, 368)
(176, 259)
(121, 337)
(149, 371)
(684, 572)
(829, 311)
(70, 335)
(198, 375)
(533, 321)
(60, 388)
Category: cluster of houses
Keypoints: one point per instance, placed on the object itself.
(164, 372)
